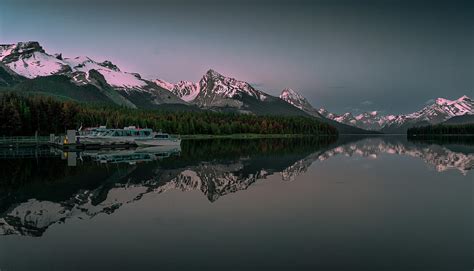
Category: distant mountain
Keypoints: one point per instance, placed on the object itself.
(30, 61)
(185, 90)
(440, 111)
(221, 93)
(369, 120)
(464, 119)
(297, 100)
(218, 92)
(28, 68)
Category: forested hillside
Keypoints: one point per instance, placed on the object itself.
(25, 115)
(443, 129)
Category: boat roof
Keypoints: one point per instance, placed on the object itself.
(118, 129)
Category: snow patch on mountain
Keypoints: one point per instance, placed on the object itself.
(5, 50)
(111, 73)
(188, 91)
(215, 83)
(294, 98)
(30, 60)
(299, 101)
(38, 64)
(441, 110)
(164, 84)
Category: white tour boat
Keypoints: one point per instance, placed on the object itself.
(127, 135)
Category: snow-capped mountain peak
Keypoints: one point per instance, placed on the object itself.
(30, 60)
(112, 74)
(299, 101)
(292, 97)
(443, 101)
(441, 110)
(185, 90)
(213, 74)
(216, 89)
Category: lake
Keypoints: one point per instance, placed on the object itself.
(377, 203)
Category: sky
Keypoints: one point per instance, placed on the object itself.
(386, 55)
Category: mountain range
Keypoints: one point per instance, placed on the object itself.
(27, 67)
(440, 111)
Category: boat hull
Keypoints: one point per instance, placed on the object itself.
(158, 142)
(107, 140)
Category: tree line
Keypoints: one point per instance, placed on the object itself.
(27, 115)
(442, 129)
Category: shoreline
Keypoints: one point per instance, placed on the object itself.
(251, 136)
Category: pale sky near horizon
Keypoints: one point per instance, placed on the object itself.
(343, 55)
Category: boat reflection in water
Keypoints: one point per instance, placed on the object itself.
(132, 156)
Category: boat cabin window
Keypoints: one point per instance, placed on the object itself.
(144, 133)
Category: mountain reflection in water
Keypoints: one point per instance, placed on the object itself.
(39, 189)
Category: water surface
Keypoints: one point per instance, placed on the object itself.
(379, 203)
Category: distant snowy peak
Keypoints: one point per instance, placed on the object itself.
(185, 90)
(213, 90)
(441, 110)
(294, 98)
(346, 118)
(368, 120)
(443, 101)
(112, 74)
(299, 101)
(214, 83)
(29, 59)
(323, 111)
(459, 107)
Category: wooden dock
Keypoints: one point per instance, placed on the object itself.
(23, 141)
(59, 142)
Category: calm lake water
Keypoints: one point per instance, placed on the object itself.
(379, 203)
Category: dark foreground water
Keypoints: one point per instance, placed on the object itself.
(355, 204)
